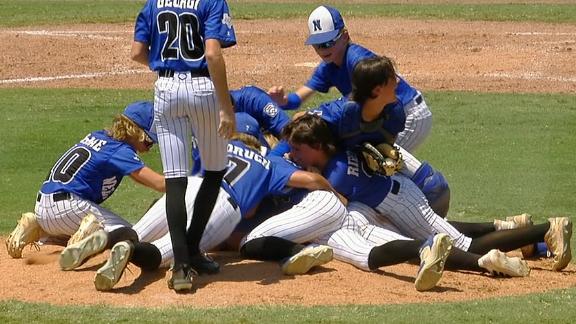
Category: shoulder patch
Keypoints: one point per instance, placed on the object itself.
(271, 110)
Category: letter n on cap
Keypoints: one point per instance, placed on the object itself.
(316, 24)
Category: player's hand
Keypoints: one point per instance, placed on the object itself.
(277, 94)
(227, 123)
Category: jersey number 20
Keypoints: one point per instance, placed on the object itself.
(183, 39)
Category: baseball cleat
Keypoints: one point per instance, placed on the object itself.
(182, 278)
(26, 232)
(499, 264)
(311, 256)
(523, 220)
(433, 255)
(558, 240)
(76, 254)
(89, 225)
(203, 264)
(109, 274)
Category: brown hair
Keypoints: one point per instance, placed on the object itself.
(123, 128)
(250, 141)
(370, 73)
(311, 130)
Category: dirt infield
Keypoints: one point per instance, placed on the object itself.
(433, 55)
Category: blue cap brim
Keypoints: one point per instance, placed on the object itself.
(152, 136)
(322, 38)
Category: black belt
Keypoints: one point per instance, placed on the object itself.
(395, 187)
(232, 202)
(59, 196)
(418, 99)
(194, 74)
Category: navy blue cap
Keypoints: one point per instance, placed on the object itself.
(324, 24)
(142, 114)
(247, 124)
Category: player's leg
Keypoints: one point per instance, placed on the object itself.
(418, 124)
(153, 224)
(174, 133)
(203, 111)
(494, 262)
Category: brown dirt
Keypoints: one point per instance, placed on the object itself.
(446, 55)
(36, 278)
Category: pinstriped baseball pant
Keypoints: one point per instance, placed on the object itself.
(417, 127)
(186, 105)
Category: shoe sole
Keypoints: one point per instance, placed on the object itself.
(501, 264)
(429, 275)
(564, 258)
(111, 272)
(301, 264)
(90, 224)
(74, 255)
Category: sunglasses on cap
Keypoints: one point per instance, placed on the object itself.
(328, 44)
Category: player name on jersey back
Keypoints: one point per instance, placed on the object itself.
(248, 154)
(182, 4)
(93, 142)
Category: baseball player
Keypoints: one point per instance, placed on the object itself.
(86, 175)
(402, 202)
(330, 39)
(182, 42)
(249, 178)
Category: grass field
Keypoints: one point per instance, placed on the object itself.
(502, 154)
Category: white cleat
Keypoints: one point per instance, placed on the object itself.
(89, 225)
(109, 274)
(433, 255)
(76, 254)
(499, 264)
(26, 232)
(558, 240)
(311, 256)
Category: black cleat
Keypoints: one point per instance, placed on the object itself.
(203, 264)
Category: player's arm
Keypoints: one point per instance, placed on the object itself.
(313, 181)
(139, 52)
(292, 100)
(149, 178)
(217, 69)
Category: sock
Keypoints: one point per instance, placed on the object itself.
(270, 248)
(176, 216)
(473, 230)
(393, 253)
(509, 240)
(461, 260)
(121, 234)
(146, 256)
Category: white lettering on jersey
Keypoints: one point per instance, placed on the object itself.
(353, 164)
(93, 142)
(182, 4)
(248, 154)
(108, 187)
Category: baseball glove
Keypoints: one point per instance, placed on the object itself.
(383, 158)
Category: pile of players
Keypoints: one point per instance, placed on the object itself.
(300, 191)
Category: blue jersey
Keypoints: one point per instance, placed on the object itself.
(175, 32)
(258, 104)
(329, 75)
(251, 177)
(344, 119)
(346, 172)
(93, 168)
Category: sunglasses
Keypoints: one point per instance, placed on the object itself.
(328, 44)
(148, 141)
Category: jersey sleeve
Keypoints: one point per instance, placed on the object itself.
(320, 80)
(396, 118)
(143, 23)
(126, 161)
(282, 170)
(335, 173)
(218, 24)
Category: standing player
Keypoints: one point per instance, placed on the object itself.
(331, 41)
(88, 174)
(182, 42)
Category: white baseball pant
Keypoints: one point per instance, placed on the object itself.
(418, 124)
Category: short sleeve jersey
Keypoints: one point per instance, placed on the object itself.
(251, 177)
(347, 174)
(93, 168)
(329, 75)
(258, 104)
(176, 31)
(345, 121)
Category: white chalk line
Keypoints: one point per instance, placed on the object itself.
(540, 34)
(72, 76)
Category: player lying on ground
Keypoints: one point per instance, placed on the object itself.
(330, 39)
(250, 177)
(85, 176)
(401, 202)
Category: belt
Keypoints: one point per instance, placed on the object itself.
(395, 187)
(232, 202)
(193, 74)
(418, 99)
(58, 196)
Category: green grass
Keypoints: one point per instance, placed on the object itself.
(59, 12)
(552, 307)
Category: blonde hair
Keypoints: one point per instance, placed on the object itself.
(249, 140)
(270, 139)
(123, 128)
